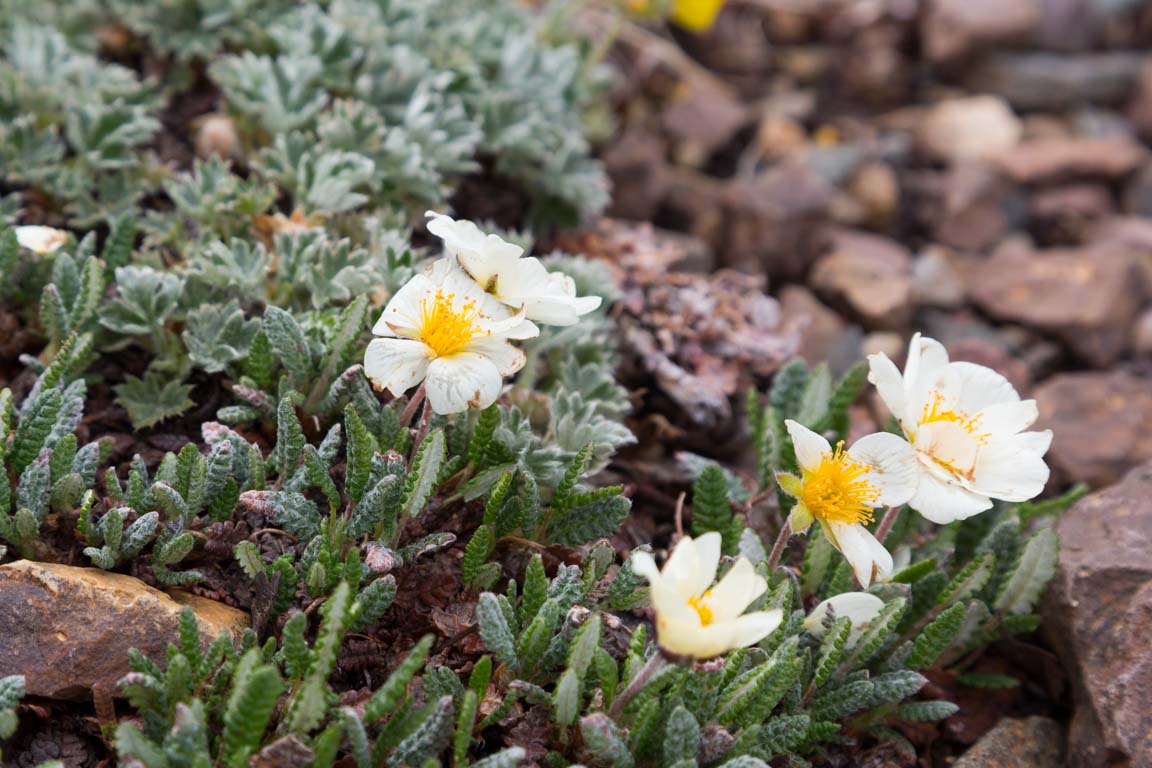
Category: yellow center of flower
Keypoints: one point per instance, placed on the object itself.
(702, 610)
(934, 411)
(838, 490)
(444, 328)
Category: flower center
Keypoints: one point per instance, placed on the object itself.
(934, 411)
(445, 329)
(702, 610)
(838, 490)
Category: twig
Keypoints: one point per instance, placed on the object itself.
(422, 431)
(680, 515)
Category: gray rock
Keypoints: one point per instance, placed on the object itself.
(1034, 742)
(1054, 81)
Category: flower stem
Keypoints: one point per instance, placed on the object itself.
(422, 431)
(781, 543)
(410, 409)
(887, 522)
(643, 677)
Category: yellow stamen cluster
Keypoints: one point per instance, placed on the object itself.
(934, 411)
(838, 490)
(444, 328)
(702, 610)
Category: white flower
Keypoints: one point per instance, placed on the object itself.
(860, 607)
(967, 425)
(41, 240)
(521, 283)
(841, 488)
(440, 328)
(695, 619)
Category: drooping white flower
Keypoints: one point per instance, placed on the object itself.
(440, 328)
(502, 270)
(860, 607)
(967, 424)
(694, 618)
(40, 240)
(840, 488)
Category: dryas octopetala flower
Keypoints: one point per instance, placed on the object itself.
(967, 425)
(40, 240)
(502, 270)
(840, 488)
(440, 328)
(860, 607)
(695, 619)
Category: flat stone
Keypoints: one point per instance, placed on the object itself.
(1098, 614)
(952, 28)
(635, 164)
(972, 127)
(936, 282)
(68, 629)
(771, 219)
(1033, 742)
(702, 117)
(824, 336)
(1059, 159)
(1088, 297)
(870, 273)
(1101, 424)
(1038, 80)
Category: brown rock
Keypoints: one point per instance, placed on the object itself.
(876, 188)
(771, 220)
(1050, 160)
(1142, 334)
(67, 629)
(635, 164)
(872, 274)
(1140, 108)
(1088, 296)
(972, 127)
(1033, 742)
(1099, 615)
(702, 117)
(936, 282)
(1101, 424)
(952, 28)
(970, 207)
(1056, 81)
(824, 336)
(981, 351)
(1066, 213)
(694, 203)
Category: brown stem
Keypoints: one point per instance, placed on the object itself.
(778, 547)
(422, 431)
(887, 522)
(679, 517)
(410, 409)
(646, 673)
(252, 536)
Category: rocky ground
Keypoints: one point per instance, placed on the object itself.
(857, 171)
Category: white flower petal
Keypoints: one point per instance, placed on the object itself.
(927, 359)
(396, 364)
(463, 381)
(402, 314)
(980, 387)
(810, 447)
(894, 468)
(751, 628)
(736, 591)
(944, 503)
(1012, 468)
(507, 358)
(889, 382)
(708, 560)
(40, 240)
(643, 564)
(1007, 418)
(682, 569)
(863, 552)
(948, 443)
(860, 607)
